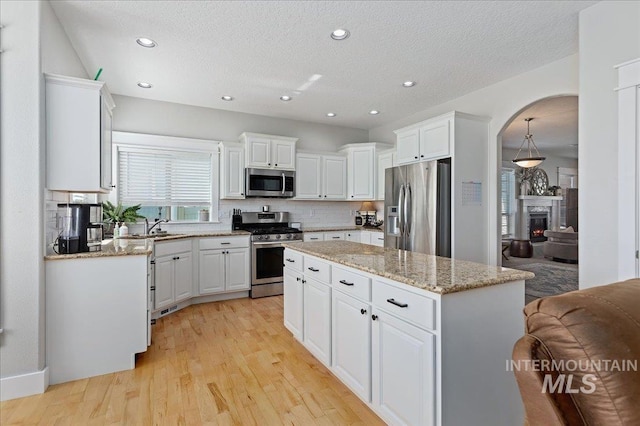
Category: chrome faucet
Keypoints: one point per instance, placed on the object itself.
(157, 223)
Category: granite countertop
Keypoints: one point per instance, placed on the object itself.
(340, 228)
(432, 273)
(139, 245)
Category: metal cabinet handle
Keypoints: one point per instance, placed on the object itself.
(363, 311)
(336, 238)
(304, 281)
(374, 317)
(313, 238)
(399, 304)
(312, 269)
(298, 279)
(290, 260)
(152, 288)
(345, 283)
(225, 244)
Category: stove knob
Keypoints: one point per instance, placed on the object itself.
(266, 237)
(289, 236)
(260, 237)
(278, 236)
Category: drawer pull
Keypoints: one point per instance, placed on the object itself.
(363, 311)
(399, 304)
(374, 317)
(291, 261)
(225, 244)
(313, 238)
(336, 238)
(345, 283)
(298, 279)
(312, 269)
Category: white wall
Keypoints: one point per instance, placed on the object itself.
(170, 119)
(609, 35)
(550, 165)
(500, 102)
(33, 42)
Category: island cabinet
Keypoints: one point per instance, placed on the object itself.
(415, 356)
(173, 272)
(269, 151)
(223, 265)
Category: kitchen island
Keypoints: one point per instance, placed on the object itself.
(422, 339)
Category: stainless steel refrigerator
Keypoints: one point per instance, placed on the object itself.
(417, 206)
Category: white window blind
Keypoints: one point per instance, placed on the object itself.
(507, 201)
(154, 177)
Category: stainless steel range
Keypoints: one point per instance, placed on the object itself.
(268, 232)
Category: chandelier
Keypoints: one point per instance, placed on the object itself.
(530, 160)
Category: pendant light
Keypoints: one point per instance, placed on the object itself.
(531, 160)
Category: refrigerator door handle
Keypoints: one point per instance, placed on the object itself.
(401, 198)
(408, 205)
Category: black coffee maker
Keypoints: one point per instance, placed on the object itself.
(80, 228)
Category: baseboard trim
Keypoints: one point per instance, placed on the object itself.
(24, 385)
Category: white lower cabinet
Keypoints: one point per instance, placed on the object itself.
(403, 371)
(317, 319)
(351, 343)
(293, 302)
(312, 236)
(173, 273)
(353, 236)
(223, 269)
(375, 238)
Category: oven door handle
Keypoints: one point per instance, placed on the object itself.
(266, 244)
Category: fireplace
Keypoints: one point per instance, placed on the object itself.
(538, 223)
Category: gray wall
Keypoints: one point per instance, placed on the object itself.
(165, 118)
(609, 35)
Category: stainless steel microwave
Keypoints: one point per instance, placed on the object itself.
(269, 183)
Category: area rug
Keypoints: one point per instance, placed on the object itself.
(549, 281)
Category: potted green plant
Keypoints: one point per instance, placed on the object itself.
(118, 214)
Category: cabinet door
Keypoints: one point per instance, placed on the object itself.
(334, 170)
(365, 237)
(211, 271)
(354, 236)
(293, 302)
(308, 177)
(351, 343)
(334, 236)
(233, 172)
(317, 319)
(258, 151)
(164, 282)
(183, 276)
(106, 123)
(434, 141)
(377, 239)
(237, 269)
(403, 371)
(283, 155)
(408, 146)
(385, 161)
(361, 178)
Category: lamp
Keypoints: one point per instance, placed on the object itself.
(530, 161)
(368, 210)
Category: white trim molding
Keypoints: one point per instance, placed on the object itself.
(24, 385)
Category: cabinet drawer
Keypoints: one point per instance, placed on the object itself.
(317, 269)
(333, 236)
(313, 236)
(223, 242)
(293, 260)
(351, 283)
(410, 306)
(377, 239)
(164, 249)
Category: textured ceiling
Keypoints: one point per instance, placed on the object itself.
(257, 51)
(554, 127)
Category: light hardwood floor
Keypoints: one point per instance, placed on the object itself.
(230, 362)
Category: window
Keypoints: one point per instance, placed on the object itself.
(171, 178)
(508, 201)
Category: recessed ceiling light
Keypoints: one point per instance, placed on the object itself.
(409, 83)
(285, 98)
(227, 98)
(340, 34)
(145, 85)
(374, 112)
(146, 42)
(331, 114)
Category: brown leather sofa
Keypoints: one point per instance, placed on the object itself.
(585, 327)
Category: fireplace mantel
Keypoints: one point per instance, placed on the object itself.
(525, 202)
(540, 197)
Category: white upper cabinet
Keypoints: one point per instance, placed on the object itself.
(361, 170)
(428, 140)
(78, 126)
(269, 151)
(321, 177)
(231, 170)
(385, 161)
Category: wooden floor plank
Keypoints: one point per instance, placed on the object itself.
(221, 363)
